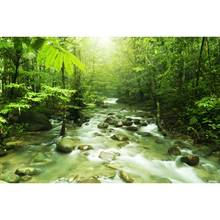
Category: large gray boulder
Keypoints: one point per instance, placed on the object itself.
(35, 121)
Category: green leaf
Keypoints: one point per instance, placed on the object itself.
(193, 120)
(58, 62)
(50, 59)
(68, 64)
(77, 62)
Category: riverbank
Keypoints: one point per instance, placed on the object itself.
(119, 143)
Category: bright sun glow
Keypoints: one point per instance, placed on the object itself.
(104, 41)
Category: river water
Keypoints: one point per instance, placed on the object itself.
(144, 159)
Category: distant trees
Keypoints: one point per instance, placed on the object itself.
(177, 73)
(176, 78)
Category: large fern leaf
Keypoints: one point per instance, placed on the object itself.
(53, 55)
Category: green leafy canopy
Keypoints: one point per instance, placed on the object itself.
(53, 55)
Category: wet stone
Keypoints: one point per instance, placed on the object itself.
(3, 152)
(102, 125)
(157, 179)
(110, 130)
(145, 134)
(13, 144)
(111, 113)
(132, 128)
(30, 171)
(126, 177)
(118, 124)
(25, 178)
(87, 180)
(108, 156)
(127, 122)
(122, 144)
(110, 120)
(119, 137)
(64, 180)
(191, 160)
(10, 177)
(65, 145)
(143, 123)
(137, 121)
(85, 147)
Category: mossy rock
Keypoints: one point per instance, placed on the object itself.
(137, 121)
(123, 144)
(108, 156)
(119, 137)
(10, 177)
(143, 123)
(111, 120)
(85, 147)
(126, 177)
(132, 128)
(158, 179)
(25, 178)
(3, 152)
(30, 171)
(41, 158)
(102, 125)
(191, 160)
(118, 124)
(127, 122)
(35, 121)
(145, 134)
(65, 145)
(91, 179)
(13, 144)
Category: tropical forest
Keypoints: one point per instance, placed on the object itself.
(109, 110)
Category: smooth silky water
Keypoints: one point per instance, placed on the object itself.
(143, 158)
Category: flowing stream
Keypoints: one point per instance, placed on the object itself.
(143, 158)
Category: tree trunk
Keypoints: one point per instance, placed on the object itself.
(15, 75)
(63, 127)
(198, 72)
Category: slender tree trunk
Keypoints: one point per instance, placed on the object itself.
(63, 127)
(198, 72)
(212, 73)
(15, 75)
(14, 78)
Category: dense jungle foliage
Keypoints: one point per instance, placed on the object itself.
(176, 78)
